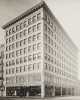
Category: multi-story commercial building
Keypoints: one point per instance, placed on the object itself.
(1, 68)
(40, 58)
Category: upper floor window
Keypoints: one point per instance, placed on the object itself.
(38, 26)
(10, 32)
(24, 24)
(17, 27)
(34, 19)
(7, 33)
(38, 16)
(29, 21)
(13, 30)
(29, 30)
(21, 26)
(29, 39)
(34, 28)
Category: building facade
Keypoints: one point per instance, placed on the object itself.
(1, 69)
(40, 58)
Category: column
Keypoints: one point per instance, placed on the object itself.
(61, 90)
(53, 94)
(42, 90)
(4, 93)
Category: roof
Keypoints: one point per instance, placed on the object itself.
(39, 5)
(31, 10)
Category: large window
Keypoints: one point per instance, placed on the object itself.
(38, 26)
(38, 16)
(34, 19)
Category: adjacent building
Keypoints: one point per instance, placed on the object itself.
(40, 58)
(1, 69)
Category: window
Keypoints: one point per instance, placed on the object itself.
(7, 33)
(38, 36)
(38, 16)
(45, 65)
(45, 56)
(45, 27)
(13, 46)
(34, 56)
(10, 55)
(39, 65)
(17, 28)
(17, 61)
(17, 35)
(21, 34)
(39, 55)
(21, 60)
(10, 63)
(25, 41)
(38, 26)
(38, 46)
(34, 47)
(17, 69)
(24, 24)
(21, 51)
(13, 62)
(29, 30)
(25, 32)
(21, 26)
(13, 29)
(29, 57)
(10, 47)
(34, 37)
(25, 59)
(17, 52)
(6, 71)
(21, 43)
(10, 40)
(29, 39)
(13, 38)
(9, 71)
(13, 70)
(13, 54)
(34, 28)
(30, 67)
(7, 48)
(34, 19)
(29, 21)
(17, 44)
(34, 66)
(6, 41)
(6, 56)
(7, 64)
(29, 48)
(25, 50)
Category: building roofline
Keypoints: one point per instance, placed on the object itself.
(26, 13)
(36, 7)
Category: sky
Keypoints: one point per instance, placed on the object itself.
(66, 11)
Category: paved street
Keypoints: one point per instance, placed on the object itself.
(55, 98)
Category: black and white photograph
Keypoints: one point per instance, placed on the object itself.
(39, 49)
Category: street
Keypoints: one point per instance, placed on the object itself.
(53, 98)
